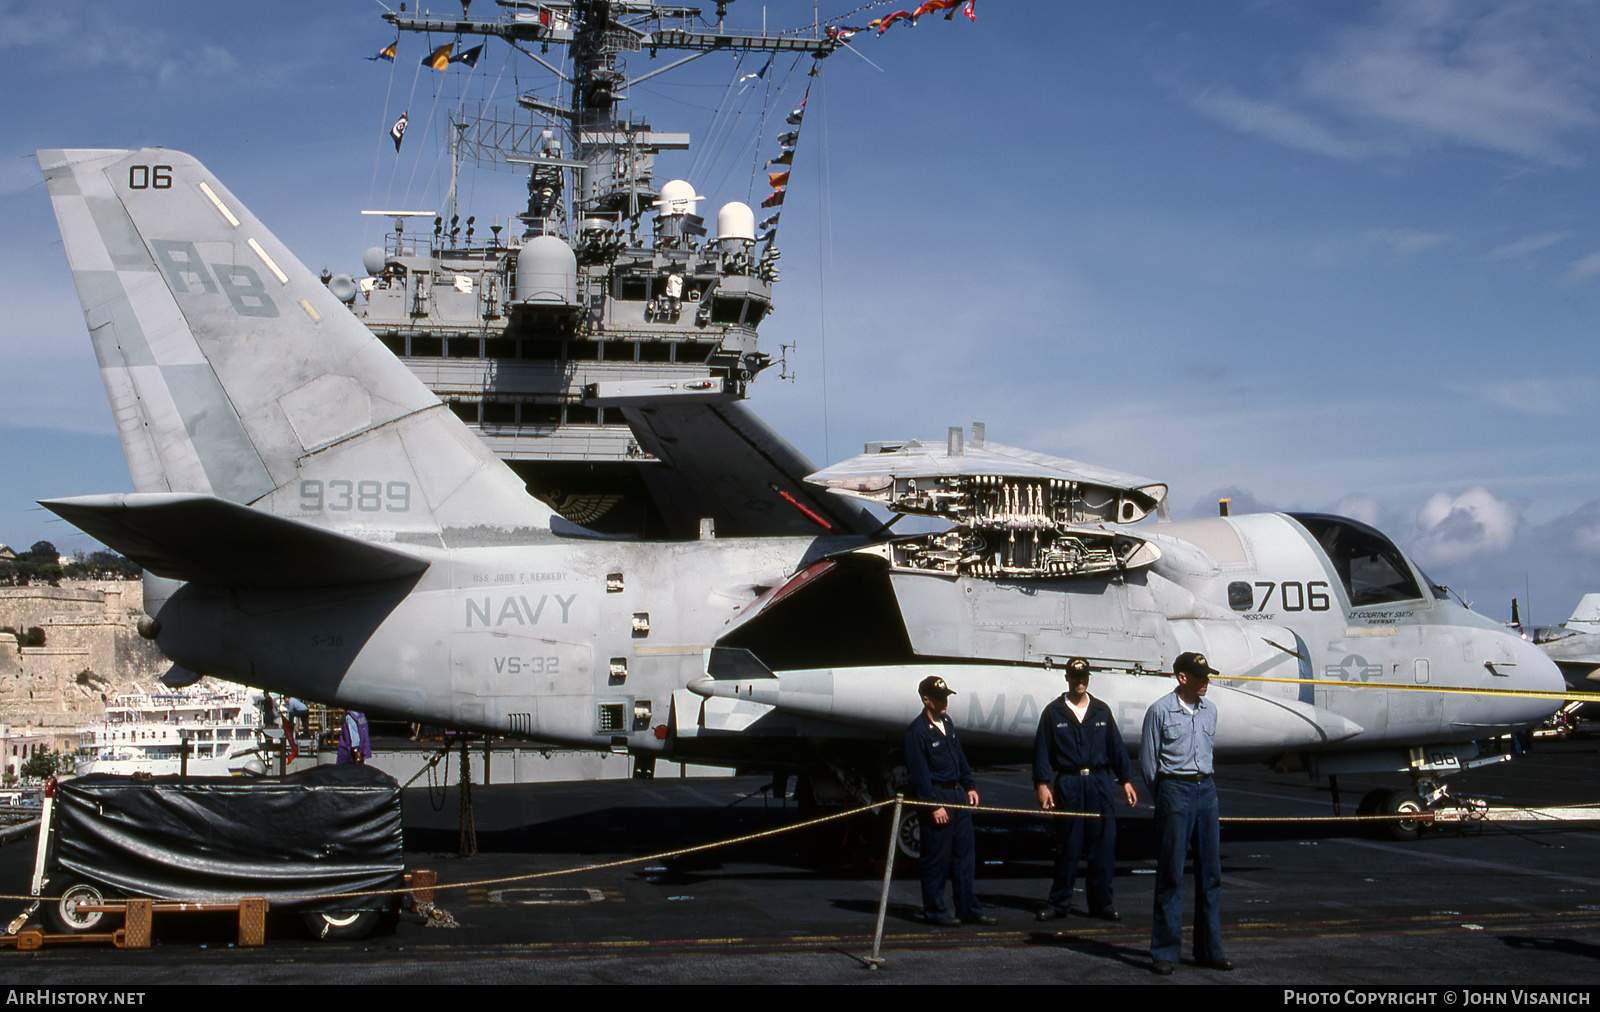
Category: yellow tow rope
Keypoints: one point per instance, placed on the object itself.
(1328, 683)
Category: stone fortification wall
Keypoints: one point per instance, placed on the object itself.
(91, 651)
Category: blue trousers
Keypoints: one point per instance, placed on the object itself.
(1187, 812)
(1076, 837)
(949, 854)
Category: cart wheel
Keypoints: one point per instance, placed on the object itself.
(340, 925)
(64, 916)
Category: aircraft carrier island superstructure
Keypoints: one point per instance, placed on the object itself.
(608, 283)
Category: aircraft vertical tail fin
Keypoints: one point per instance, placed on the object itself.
(234, 372)
(1586, 616)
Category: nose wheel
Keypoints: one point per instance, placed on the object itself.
(1407, 814)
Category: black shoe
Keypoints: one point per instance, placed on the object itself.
(983, 919)
(947, 921)
(1106, 914)
(1050, 914)
(1162, 967)
(1225, 965)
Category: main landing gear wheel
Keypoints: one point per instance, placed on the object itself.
(1387, 802)
(340, 925)
(65, 916)
(908, 835)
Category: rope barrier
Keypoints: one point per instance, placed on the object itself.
(619, 863)
(1571, 813)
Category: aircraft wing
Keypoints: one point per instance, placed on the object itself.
(721, 461)
(206, 540)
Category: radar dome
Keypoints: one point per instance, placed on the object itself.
(677, 197)
(547, 271)
(373, 260)
(343, 287)
(736, 220)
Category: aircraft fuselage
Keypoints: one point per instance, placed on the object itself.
(597, 644)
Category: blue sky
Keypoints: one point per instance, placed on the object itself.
(1340, 257)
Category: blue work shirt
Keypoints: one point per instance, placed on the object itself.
(1175, 740)
(931, 756)
(1064, 743)
(355, 742)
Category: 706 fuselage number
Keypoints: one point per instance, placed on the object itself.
(1296, 596)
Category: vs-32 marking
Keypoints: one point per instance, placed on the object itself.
(527, 665)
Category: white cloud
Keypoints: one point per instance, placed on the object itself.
(1361, 507)
(1548, 567)
(1276, 122)
(1404, 242)
(1456, 529)
(1587, 539)
(1584, 268)
(1515, 78)
(98, 35)
(1528, 245)
(1548, 396)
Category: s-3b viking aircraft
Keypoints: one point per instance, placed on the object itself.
(314, 522)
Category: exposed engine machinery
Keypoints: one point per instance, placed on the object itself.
(1014, 513)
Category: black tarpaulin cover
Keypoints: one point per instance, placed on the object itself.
(326, 830)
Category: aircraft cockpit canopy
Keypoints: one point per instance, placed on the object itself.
(1372, 569)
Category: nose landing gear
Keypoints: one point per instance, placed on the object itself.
(1411, 812)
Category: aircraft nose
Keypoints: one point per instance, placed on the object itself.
(1532, 671)
(1542, 673)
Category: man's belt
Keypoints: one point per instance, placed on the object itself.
(1188, 778)
(947, 784)
(1084, 772)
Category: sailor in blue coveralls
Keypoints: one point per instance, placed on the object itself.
(939, 772)
(1175, 753)
(1079, 762)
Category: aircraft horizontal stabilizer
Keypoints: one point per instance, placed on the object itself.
(179, 677)
(211, 541)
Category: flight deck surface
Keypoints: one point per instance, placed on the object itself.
(1313, 903)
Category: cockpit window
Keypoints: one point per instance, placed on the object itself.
(1440, 591)
(1371, 567)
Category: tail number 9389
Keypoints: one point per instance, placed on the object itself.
(340, 495)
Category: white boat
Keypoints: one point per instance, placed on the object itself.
(144, 731)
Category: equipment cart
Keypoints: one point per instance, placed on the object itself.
(294, 840)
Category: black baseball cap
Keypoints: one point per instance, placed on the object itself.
(1078, 667)
(1192, 663)
(933, 686)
